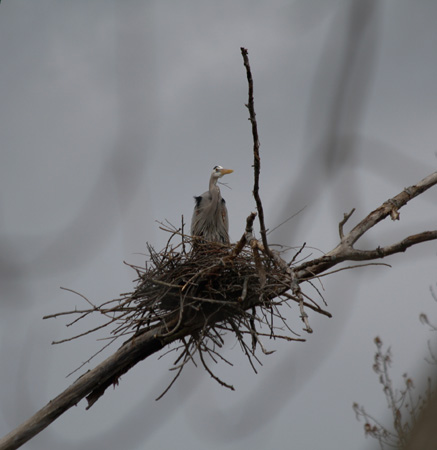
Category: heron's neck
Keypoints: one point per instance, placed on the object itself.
(214, 190)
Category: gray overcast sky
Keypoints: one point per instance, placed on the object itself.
(112, 115)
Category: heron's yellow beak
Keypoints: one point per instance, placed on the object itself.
(226, 171)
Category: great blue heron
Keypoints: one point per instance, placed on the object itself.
(210, 217)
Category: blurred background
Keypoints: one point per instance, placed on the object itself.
(112, 115)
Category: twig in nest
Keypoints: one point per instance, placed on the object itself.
(298, 293)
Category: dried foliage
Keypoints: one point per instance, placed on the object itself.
(409, 410)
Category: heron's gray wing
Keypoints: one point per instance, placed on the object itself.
(224, 215)
(198, 219)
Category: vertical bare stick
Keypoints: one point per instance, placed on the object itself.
(256, 159)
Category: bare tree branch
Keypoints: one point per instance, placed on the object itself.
(345, 250)
(256, 158)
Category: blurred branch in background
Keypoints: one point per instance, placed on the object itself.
(337, 104)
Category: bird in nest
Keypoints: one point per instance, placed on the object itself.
(210, 216)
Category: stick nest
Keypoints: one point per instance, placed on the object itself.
(197, 291)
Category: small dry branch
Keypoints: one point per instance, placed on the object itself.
(256, 158)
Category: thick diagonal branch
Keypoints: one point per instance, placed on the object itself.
(92, 384)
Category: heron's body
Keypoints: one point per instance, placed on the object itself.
(210, 217)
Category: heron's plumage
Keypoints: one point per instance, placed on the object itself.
(210, 217)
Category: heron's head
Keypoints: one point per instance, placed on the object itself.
(219, 171)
